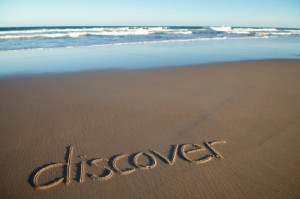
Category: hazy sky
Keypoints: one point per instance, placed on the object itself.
(274, 13)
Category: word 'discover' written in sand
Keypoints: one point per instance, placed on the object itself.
(108, 167)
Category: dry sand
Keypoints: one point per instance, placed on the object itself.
(253, 106)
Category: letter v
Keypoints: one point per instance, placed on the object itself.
(170, 160)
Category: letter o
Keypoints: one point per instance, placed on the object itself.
(152, 161)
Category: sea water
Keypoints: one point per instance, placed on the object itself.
(29, 50)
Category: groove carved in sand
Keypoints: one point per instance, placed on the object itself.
(172, 159)
(82, 169)
(152, 161)
(52, 184)
(196, 148)
(125, 171)
(213, 150)
(67, 178)
(110, 173)
(112, 168)
(69, 167)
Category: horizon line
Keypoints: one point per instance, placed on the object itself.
(146, 26)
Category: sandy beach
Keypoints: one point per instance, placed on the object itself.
(227, 130)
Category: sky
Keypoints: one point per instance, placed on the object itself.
(252, 13)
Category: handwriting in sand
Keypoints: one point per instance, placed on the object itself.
(109, 167)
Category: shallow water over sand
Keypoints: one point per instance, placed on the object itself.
(138, 56)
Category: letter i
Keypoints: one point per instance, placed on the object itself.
(68, 164)
(82, 169)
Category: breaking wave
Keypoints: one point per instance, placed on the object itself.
(51, 37)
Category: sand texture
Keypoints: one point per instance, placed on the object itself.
(228, 130)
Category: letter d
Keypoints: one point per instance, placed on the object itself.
(67, 164)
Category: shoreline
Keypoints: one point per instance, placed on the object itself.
(154, 132)
(136, 43)
(136, 56)
(120, 69)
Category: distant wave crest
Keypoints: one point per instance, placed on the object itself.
(56, 33)
(51, 37)
(129, 31)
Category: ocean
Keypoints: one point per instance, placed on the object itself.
(39, 50)
(57, 37)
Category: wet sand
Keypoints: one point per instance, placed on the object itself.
(252, 106)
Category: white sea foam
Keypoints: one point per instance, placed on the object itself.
(294, 32)
(281, 33)
(238, 31)
(50, 30)
(221, 28)
(32, 36)
(228, 29)
(144, 42)
(39, 38)
(257, 29)
(123, 31)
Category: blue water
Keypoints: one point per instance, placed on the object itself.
(53, 37)
(56, 50)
